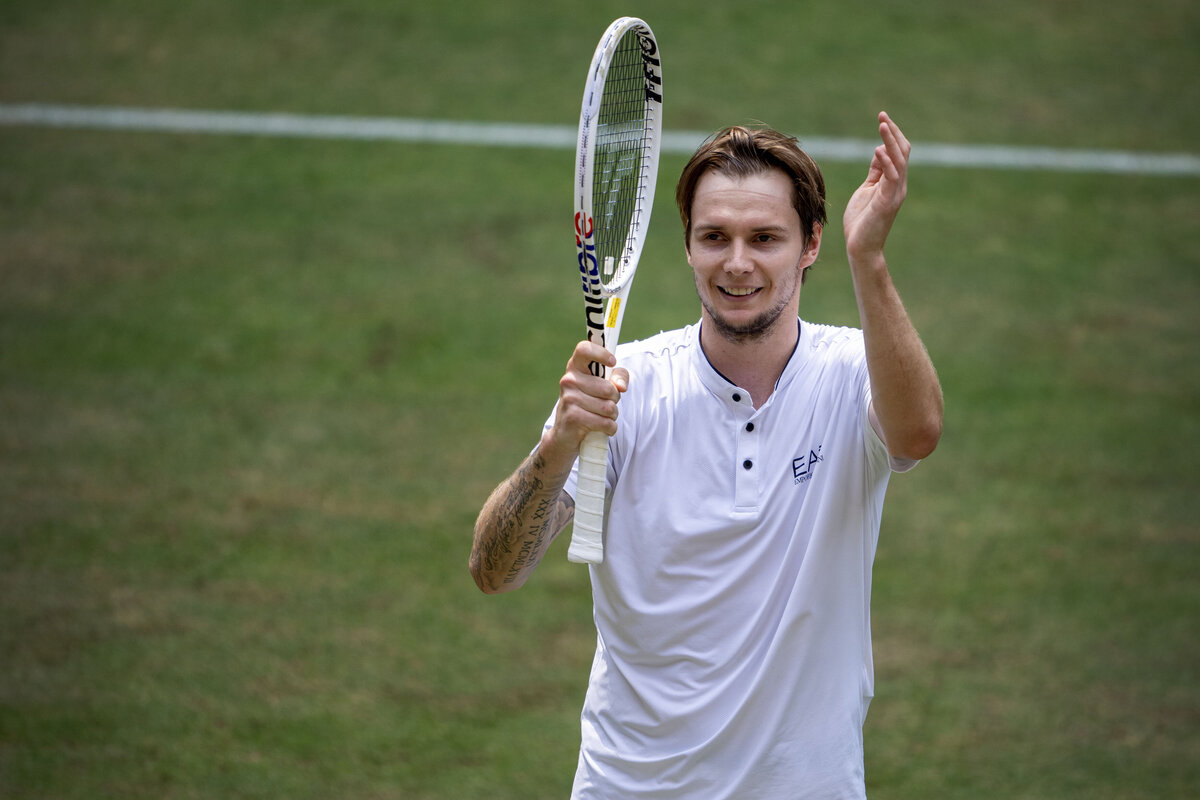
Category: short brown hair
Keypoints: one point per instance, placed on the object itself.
(740, 152)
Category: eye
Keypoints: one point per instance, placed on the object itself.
(763, 238)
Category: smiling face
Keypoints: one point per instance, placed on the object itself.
(748, 252)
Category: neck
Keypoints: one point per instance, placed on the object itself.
(753, 364)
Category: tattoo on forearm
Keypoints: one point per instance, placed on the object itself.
(526, 539)
(531, 544)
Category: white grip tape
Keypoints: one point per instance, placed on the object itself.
(587, 538)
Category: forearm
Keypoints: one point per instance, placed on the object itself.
(906, 394)
(519, 521)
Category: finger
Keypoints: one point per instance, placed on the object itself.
(586, 353)
(874, 169)
(575, 419)
(596, 410)
(586, 403)
(886, 164)
(582, 384)
(893, 133)
(894, 158)
(620, 379)
(891, 144)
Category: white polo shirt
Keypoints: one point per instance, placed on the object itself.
(733, 655)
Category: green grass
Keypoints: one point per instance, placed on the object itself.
(253, 391)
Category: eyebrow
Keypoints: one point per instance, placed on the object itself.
(756, 229)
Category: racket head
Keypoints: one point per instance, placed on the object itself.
(617, 152)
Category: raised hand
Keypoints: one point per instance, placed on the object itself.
(874, 205)
(585, 402)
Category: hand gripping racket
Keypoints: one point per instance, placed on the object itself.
(616, 164)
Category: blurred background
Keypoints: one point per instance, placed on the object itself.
(254, 389)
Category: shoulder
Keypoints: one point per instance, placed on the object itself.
(832, 343)
(821, 336)
(659, 351)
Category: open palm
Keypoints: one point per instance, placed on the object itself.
(874, 205)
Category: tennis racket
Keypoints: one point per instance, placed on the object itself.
(616, 164)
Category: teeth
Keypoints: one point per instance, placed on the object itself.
(739, 292)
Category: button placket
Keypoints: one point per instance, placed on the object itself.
(746, 481)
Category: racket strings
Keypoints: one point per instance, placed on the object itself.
(623, 159)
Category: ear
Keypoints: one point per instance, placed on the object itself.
(813, 247)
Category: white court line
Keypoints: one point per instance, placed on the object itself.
(502, 134)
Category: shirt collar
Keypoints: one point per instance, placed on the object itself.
(721, 386)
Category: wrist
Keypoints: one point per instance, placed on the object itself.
(553, 456)
(867, 262)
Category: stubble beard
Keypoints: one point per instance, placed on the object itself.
(756, 328)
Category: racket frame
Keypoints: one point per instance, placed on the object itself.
(605, 303)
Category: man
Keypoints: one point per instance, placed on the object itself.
(746, 475)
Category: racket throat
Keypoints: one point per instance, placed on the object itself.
(604, 326)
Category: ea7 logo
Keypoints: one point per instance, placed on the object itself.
(803, 466)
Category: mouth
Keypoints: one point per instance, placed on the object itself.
(738, 291)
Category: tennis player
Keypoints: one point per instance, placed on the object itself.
(746, 478)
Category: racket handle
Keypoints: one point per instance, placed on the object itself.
(587, 537)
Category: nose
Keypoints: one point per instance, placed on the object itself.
(739, 261)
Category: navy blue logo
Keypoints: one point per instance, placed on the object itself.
(803, 466)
